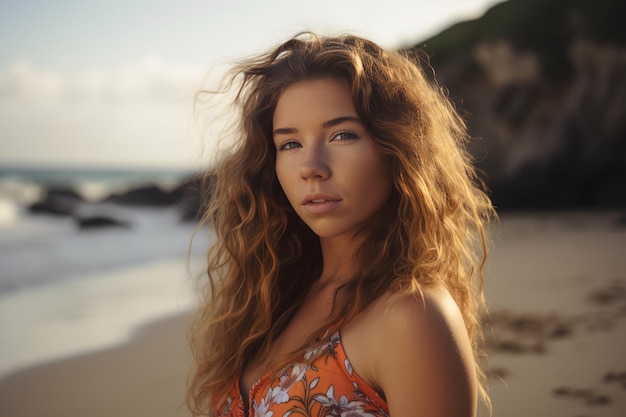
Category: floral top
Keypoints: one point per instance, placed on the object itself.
(328, 386)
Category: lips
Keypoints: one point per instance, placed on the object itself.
(319, 203)
(318, 198)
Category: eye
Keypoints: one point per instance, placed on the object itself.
(344, 135)
(288, 145)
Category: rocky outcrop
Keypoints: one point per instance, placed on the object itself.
(58, 201)
(149, 195)
(544, 88)
(92, 216)
(99, 222)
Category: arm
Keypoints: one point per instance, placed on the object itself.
(425, 365)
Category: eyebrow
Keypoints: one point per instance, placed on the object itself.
(329, 123)
(340, 120)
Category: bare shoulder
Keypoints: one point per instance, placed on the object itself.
(424, 363)
(409, 315)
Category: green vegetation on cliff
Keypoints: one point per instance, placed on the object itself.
(545, 27)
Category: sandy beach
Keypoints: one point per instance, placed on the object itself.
(557, 292)
(556, 287)
(145, 377)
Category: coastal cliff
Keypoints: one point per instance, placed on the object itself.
(542, 86)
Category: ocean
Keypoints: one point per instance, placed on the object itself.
(66, 290)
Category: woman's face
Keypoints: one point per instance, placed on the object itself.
(334, 175)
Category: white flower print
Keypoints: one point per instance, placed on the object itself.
(313, 352)
(323, 384)
(280, 394)
(334, 340)
(348, 366)
(228, 406)
(359, 412)
(337, 407)
(260, 409)
(341, 407)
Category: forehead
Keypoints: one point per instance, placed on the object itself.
(313, 101)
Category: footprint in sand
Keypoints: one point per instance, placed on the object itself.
(588, 396)
(614, 377)
(611, 295)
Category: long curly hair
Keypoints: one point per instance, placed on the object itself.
(433, 228)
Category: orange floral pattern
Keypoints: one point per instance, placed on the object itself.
(328, 386)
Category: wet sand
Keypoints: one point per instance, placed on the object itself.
(556, 285)
(145, 377)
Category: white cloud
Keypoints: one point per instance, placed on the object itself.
(84, 133)
(148, 79)
(139, 113)
(22, 80)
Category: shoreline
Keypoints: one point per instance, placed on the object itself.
(145, 376)
(100, 311)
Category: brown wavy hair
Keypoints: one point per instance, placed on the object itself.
(433, 229)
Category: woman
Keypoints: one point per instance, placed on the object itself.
(346, 277)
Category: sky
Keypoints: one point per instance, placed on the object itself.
(111, 83)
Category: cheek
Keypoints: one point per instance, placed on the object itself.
(283, 180)
(375, 175)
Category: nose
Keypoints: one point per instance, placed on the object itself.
(315, 164)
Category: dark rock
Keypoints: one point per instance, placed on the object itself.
(59, 201)
(98, 222)
(150, 195)
(101, 215)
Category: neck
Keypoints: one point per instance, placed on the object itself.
(338, 256)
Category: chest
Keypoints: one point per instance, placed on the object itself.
(308, 318)
(323, 383)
